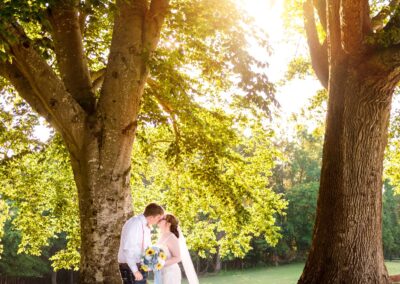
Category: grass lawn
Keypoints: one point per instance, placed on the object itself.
(285, 274)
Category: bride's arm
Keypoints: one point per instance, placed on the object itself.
(173, 246)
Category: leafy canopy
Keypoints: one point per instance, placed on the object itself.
(204, 90)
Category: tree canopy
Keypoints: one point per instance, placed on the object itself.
(204, 90)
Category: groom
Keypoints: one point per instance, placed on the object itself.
(135, 238)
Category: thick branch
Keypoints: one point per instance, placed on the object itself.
(135, 35)
(333, 31)
(154, 20)
(64, 18)
(126, 66)
(318, 52)
(14, 76)
(60, 108)
(378, 22)
(352, 25)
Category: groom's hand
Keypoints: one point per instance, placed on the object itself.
(138, 276)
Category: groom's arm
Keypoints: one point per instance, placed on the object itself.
(132, 248)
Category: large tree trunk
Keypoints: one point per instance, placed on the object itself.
(361, 74)
(347, 241)
(102, 174)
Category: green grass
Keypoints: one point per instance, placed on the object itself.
(285, 274)
(393, 267)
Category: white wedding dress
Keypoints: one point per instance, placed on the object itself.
(171, 273)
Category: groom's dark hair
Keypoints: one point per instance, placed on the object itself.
(153, 209)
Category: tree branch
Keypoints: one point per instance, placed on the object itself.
(125, 68)
(14, 76)
(48, 95)
(135, 35)
(154, 20)
(66, 30)
(166, 107)
(378, 22)
(318, 52)
(352, 25)
(97, 78)
(333, 30)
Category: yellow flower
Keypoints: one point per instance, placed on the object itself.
(145, 268)
(150, 251)
(158, 266)
(163, 256)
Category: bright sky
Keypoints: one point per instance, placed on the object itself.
(41, 131)
(268, 15)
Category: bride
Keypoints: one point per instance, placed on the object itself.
(174, 245)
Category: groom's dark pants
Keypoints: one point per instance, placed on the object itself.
(128, 277)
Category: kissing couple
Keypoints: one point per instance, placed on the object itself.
(136, 238)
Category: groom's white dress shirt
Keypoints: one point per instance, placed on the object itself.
(135, 238)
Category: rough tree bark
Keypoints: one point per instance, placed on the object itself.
(361, 78)
(98, 133)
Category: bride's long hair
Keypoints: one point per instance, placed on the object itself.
(169, 218)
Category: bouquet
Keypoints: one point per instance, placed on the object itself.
(154, 259)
